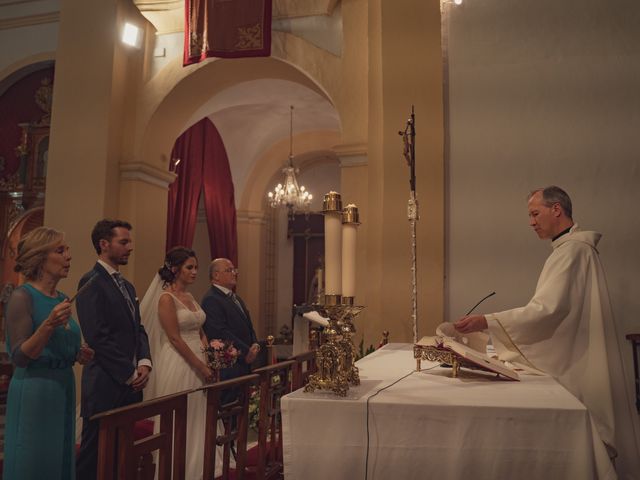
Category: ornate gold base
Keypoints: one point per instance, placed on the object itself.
(329, 376)
(335, 359)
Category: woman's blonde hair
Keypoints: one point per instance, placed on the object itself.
(33, 249)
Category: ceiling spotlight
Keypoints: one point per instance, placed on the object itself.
(131, 35)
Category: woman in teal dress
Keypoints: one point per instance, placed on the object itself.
(43, 341)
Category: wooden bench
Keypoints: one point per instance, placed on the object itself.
(121, 456)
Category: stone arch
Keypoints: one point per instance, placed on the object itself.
(23, 67)
(174, 109)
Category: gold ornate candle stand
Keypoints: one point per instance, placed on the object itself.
(330, 356)
(335, 359)
(348, 330)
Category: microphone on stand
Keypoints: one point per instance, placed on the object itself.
(474, 307)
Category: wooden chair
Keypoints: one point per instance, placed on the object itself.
(235, 418)
(265, 460)
(634, 338)
(121, 456)
(305, 365)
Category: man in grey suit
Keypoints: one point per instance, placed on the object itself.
(228, 317)
(110, 320)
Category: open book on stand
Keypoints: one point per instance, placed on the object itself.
(458, 353)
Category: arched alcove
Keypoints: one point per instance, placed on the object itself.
(248, 100)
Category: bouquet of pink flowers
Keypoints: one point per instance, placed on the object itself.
(221, 354)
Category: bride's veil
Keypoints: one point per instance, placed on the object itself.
(155, 332)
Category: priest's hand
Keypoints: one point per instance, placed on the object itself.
(471, 323)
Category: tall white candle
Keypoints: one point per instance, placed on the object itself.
(332, 253)
(348, 260)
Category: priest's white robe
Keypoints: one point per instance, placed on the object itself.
(567, 330)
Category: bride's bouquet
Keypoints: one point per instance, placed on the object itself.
(221, 354)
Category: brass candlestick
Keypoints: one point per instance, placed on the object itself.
(348, 330)
(350, 223)
(330, 356)
(335, 359)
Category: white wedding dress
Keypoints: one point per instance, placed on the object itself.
(172, 374)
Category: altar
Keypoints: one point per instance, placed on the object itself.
(429, 425)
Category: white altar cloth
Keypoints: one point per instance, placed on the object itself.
(431, 426)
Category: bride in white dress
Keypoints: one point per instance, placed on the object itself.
(173, 320)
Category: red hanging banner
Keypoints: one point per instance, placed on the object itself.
(226, 29)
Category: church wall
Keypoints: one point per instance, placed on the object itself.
(27, 32)
(351, 97)
(25, 42)
(354, 188)
(201, 247)
(398, 80)
(251, 241)
(541, 92)
(90, 110)
(138, 197)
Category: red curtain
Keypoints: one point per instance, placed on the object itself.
(203, 166)
(219, 202)
(226, 29)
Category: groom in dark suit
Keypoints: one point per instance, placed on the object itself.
(110, 320)
(228, 317)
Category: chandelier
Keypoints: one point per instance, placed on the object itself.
(289, 194)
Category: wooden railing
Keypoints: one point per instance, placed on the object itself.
(305, 365)
(275, 381)
(119, 454)
(235, 418)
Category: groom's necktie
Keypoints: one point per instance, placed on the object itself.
(234, 297)
(125, 293)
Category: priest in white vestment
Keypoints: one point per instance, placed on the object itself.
(567, 330)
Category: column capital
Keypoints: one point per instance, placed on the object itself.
(146, 173)
(251, 216)
(351, 154)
